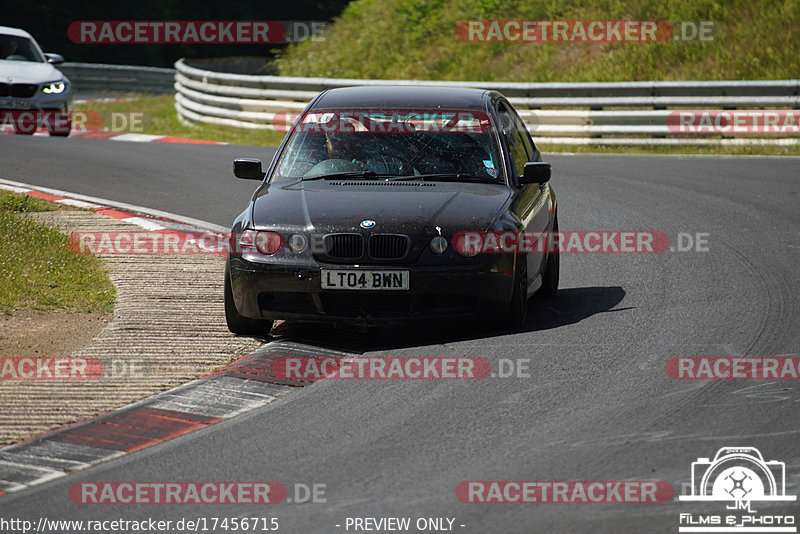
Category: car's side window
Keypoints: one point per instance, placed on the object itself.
(522, 131)
(519, 146)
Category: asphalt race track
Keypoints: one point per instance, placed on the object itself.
(598, 404)
(191, 180)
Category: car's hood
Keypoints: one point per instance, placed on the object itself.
(411, 208)
(28, 72)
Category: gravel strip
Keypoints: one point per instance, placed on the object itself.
(168, 328)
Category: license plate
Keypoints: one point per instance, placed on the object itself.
(14, 104)
(369, 280)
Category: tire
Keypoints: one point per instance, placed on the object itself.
(518, 307)
(551, 270)
(60, 133)
(236, 323)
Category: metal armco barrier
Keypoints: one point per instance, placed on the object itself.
(97, 77)
(572, 113)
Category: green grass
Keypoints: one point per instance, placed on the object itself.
(416, 39)
(13, 203)
(156, 115)
(37, 271)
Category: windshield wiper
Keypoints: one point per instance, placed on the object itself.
(366, 175)
(446, 177)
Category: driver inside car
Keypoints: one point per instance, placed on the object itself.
(8, 48)
(363, 151)
(343, 146)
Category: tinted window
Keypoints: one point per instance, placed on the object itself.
(397, 143)
(519, 145)
(14, 48)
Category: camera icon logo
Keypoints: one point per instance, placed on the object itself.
(738, 474)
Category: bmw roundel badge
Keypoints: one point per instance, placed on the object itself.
(367, 223)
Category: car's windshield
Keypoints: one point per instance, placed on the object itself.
(392, 144)
(16, 48)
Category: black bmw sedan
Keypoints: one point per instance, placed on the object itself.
(362, 213)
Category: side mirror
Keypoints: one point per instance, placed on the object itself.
(537, 172)
(248, 169)
(54, 59)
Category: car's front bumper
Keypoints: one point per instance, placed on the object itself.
(39, 102)
(479, 289)
(41, 110)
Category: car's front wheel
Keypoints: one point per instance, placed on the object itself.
(236, 323)
(518, 307)
(59, 123)
(552, 267)
(62, 130)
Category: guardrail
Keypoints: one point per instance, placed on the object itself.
(246, 101)
(98, 77)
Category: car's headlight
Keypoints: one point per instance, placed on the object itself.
(297, 243)
(266, 243)
(438, 244)
(54, 88)
(465, 243)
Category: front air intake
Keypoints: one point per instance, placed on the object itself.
(388, 246)
(344, 246)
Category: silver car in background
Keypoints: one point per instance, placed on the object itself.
(32, 90)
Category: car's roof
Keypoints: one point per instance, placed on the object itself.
(15, 31)
(401, 97)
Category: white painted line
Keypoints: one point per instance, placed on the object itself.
(11, 487)
(106, 99)
(147, 224)
(189, 221)
(32, 474)
(140, 138)
(14, 189)
(45, 448)
(48, 462)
